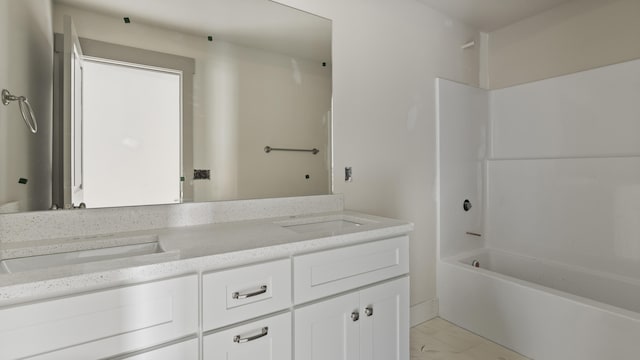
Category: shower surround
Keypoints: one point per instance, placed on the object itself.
(552, 169)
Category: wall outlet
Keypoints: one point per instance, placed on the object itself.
(348, 174)
(201, 174)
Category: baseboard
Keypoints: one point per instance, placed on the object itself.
(423, 311)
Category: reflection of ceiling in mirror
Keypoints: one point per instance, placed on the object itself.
(255, 23)
(490, 15)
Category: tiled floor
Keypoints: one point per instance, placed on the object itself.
(438, 339)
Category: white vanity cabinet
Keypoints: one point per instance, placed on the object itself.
(346, 303)
(101, 324)
(368, 324)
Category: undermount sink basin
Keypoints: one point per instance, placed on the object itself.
(333, 224)
(77, 257)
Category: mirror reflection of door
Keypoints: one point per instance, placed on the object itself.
(121, 126)
(77, 76)
(121, 131)
(131, 134)
(72, 117)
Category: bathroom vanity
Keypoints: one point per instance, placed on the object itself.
(316, 286)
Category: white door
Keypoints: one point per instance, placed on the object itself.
(328, 330)
(267, 339)
(72, 116)
(384, 325)
(132, 127)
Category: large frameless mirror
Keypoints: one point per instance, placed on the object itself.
(158, 101)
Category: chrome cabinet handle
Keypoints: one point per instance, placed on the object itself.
(368, 310)
(355, 316)
(239, 339)
(262, 290)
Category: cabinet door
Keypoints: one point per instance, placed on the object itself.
(266, 339)
(327, 331)
(384, 325)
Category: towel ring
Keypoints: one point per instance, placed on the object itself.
(25, 109)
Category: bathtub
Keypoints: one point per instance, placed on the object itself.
(542, 309)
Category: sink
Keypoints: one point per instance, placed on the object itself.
(322, 226)
(78, 257)
(332, 224)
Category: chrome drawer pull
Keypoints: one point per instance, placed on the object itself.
(239, 340)
(237, 295)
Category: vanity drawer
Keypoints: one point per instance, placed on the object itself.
(266, 339)
(101, 324)
(240, 294)
(186, 350)
(330, 272)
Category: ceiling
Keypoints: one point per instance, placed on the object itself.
(255, 23)
(269, 25)
(489, 15)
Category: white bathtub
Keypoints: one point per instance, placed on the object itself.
(541, 309)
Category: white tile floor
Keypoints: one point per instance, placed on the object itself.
(438, 339)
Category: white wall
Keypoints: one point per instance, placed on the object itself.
(578, 35)
(565, 174)
(235, 89)
(463, 121)
(386, 56)
(26, 62)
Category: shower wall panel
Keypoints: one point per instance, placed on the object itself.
(564, 171)
(462, 113)
(592, 113)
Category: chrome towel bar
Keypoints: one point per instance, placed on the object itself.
(269, 149)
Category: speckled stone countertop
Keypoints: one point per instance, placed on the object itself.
(187, 250)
